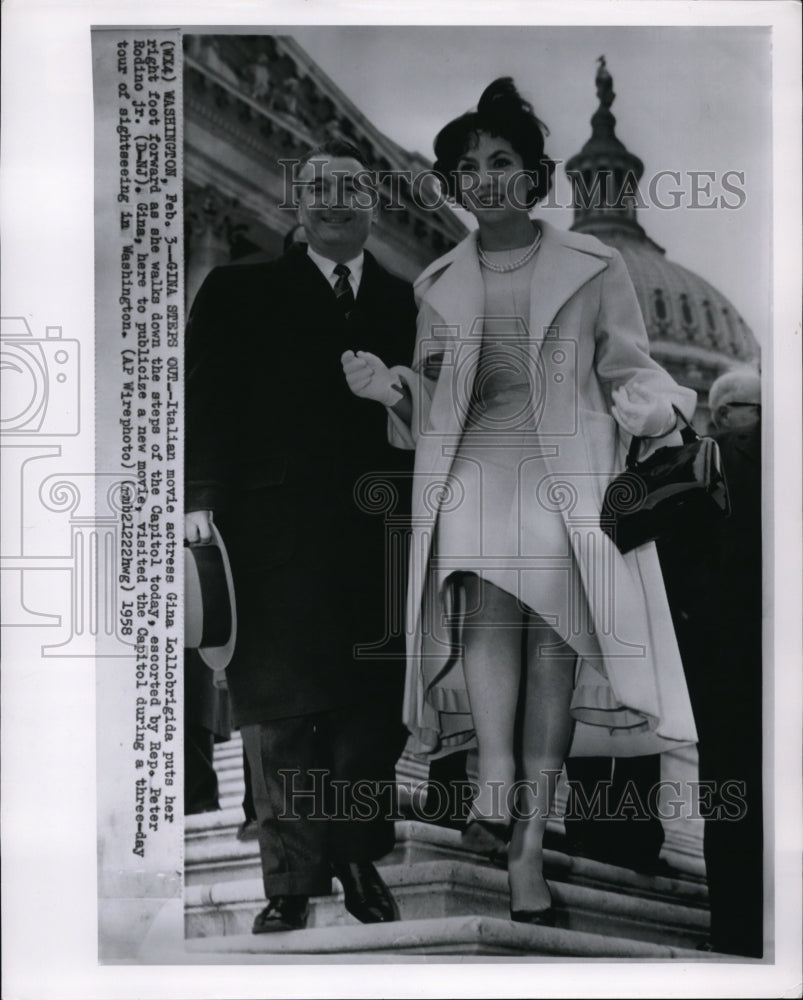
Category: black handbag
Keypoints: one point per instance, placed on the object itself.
(673, 489)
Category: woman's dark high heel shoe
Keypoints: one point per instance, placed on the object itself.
(544, 918)
(487, 837)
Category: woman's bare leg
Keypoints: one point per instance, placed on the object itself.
(492, 638)
(545, 739)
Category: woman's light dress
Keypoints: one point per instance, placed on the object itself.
(497, 475)
(515, 444)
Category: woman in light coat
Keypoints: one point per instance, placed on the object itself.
(531, 636)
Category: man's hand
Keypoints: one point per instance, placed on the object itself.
(641, 413)
(368, 376)
(198, 526)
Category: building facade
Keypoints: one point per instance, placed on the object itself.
(252, 101)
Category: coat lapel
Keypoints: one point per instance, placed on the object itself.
(303, 277)
(371, 275)
(457, 296)
(560, 270)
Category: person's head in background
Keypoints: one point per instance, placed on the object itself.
(734, 400)
(294, 235)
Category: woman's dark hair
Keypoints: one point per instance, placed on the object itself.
(504, 113)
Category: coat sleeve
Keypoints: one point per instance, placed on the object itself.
(622, 353)
(210, 395)
(420, 379)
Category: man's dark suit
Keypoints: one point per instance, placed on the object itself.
(292, 464)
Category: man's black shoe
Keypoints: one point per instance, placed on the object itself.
(365, 895)
(248, 830)
(283, 913)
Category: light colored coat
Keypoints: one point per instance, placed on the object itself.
(588, 338)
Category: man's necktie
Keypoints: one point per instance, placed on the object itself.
(343, 292)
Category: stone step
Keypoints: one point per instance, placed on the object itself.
(461, 935)
(230, 783)
(426, 842)
(682, 848)
(684, 859)
(230, 750)
(213, 854)
(451, 901)
(438, 889)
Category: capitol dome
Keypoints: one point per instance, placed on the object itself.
(695, 332)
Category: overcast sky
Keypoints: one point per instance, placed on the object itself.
(686, 99)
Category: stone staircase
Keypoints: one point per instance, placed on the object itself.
(452, 902)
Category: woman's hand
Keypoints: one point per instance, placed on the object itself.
(642, 414)
(198, 526)
(369, 377)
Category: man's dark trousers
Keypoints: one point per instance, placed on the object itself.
(322, 794)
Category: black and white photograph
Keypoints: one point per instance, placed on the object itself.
(417, 507)
(533, 642)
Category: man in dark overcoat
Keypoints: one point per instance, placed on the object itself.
(713, 581)
(301, 482)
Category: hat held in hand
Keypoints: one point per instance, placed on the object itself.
(210, 613)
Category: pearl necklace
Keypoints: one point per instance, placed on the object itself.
(513, 265)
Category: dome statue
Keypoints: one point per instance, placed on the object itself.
(695, 332)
